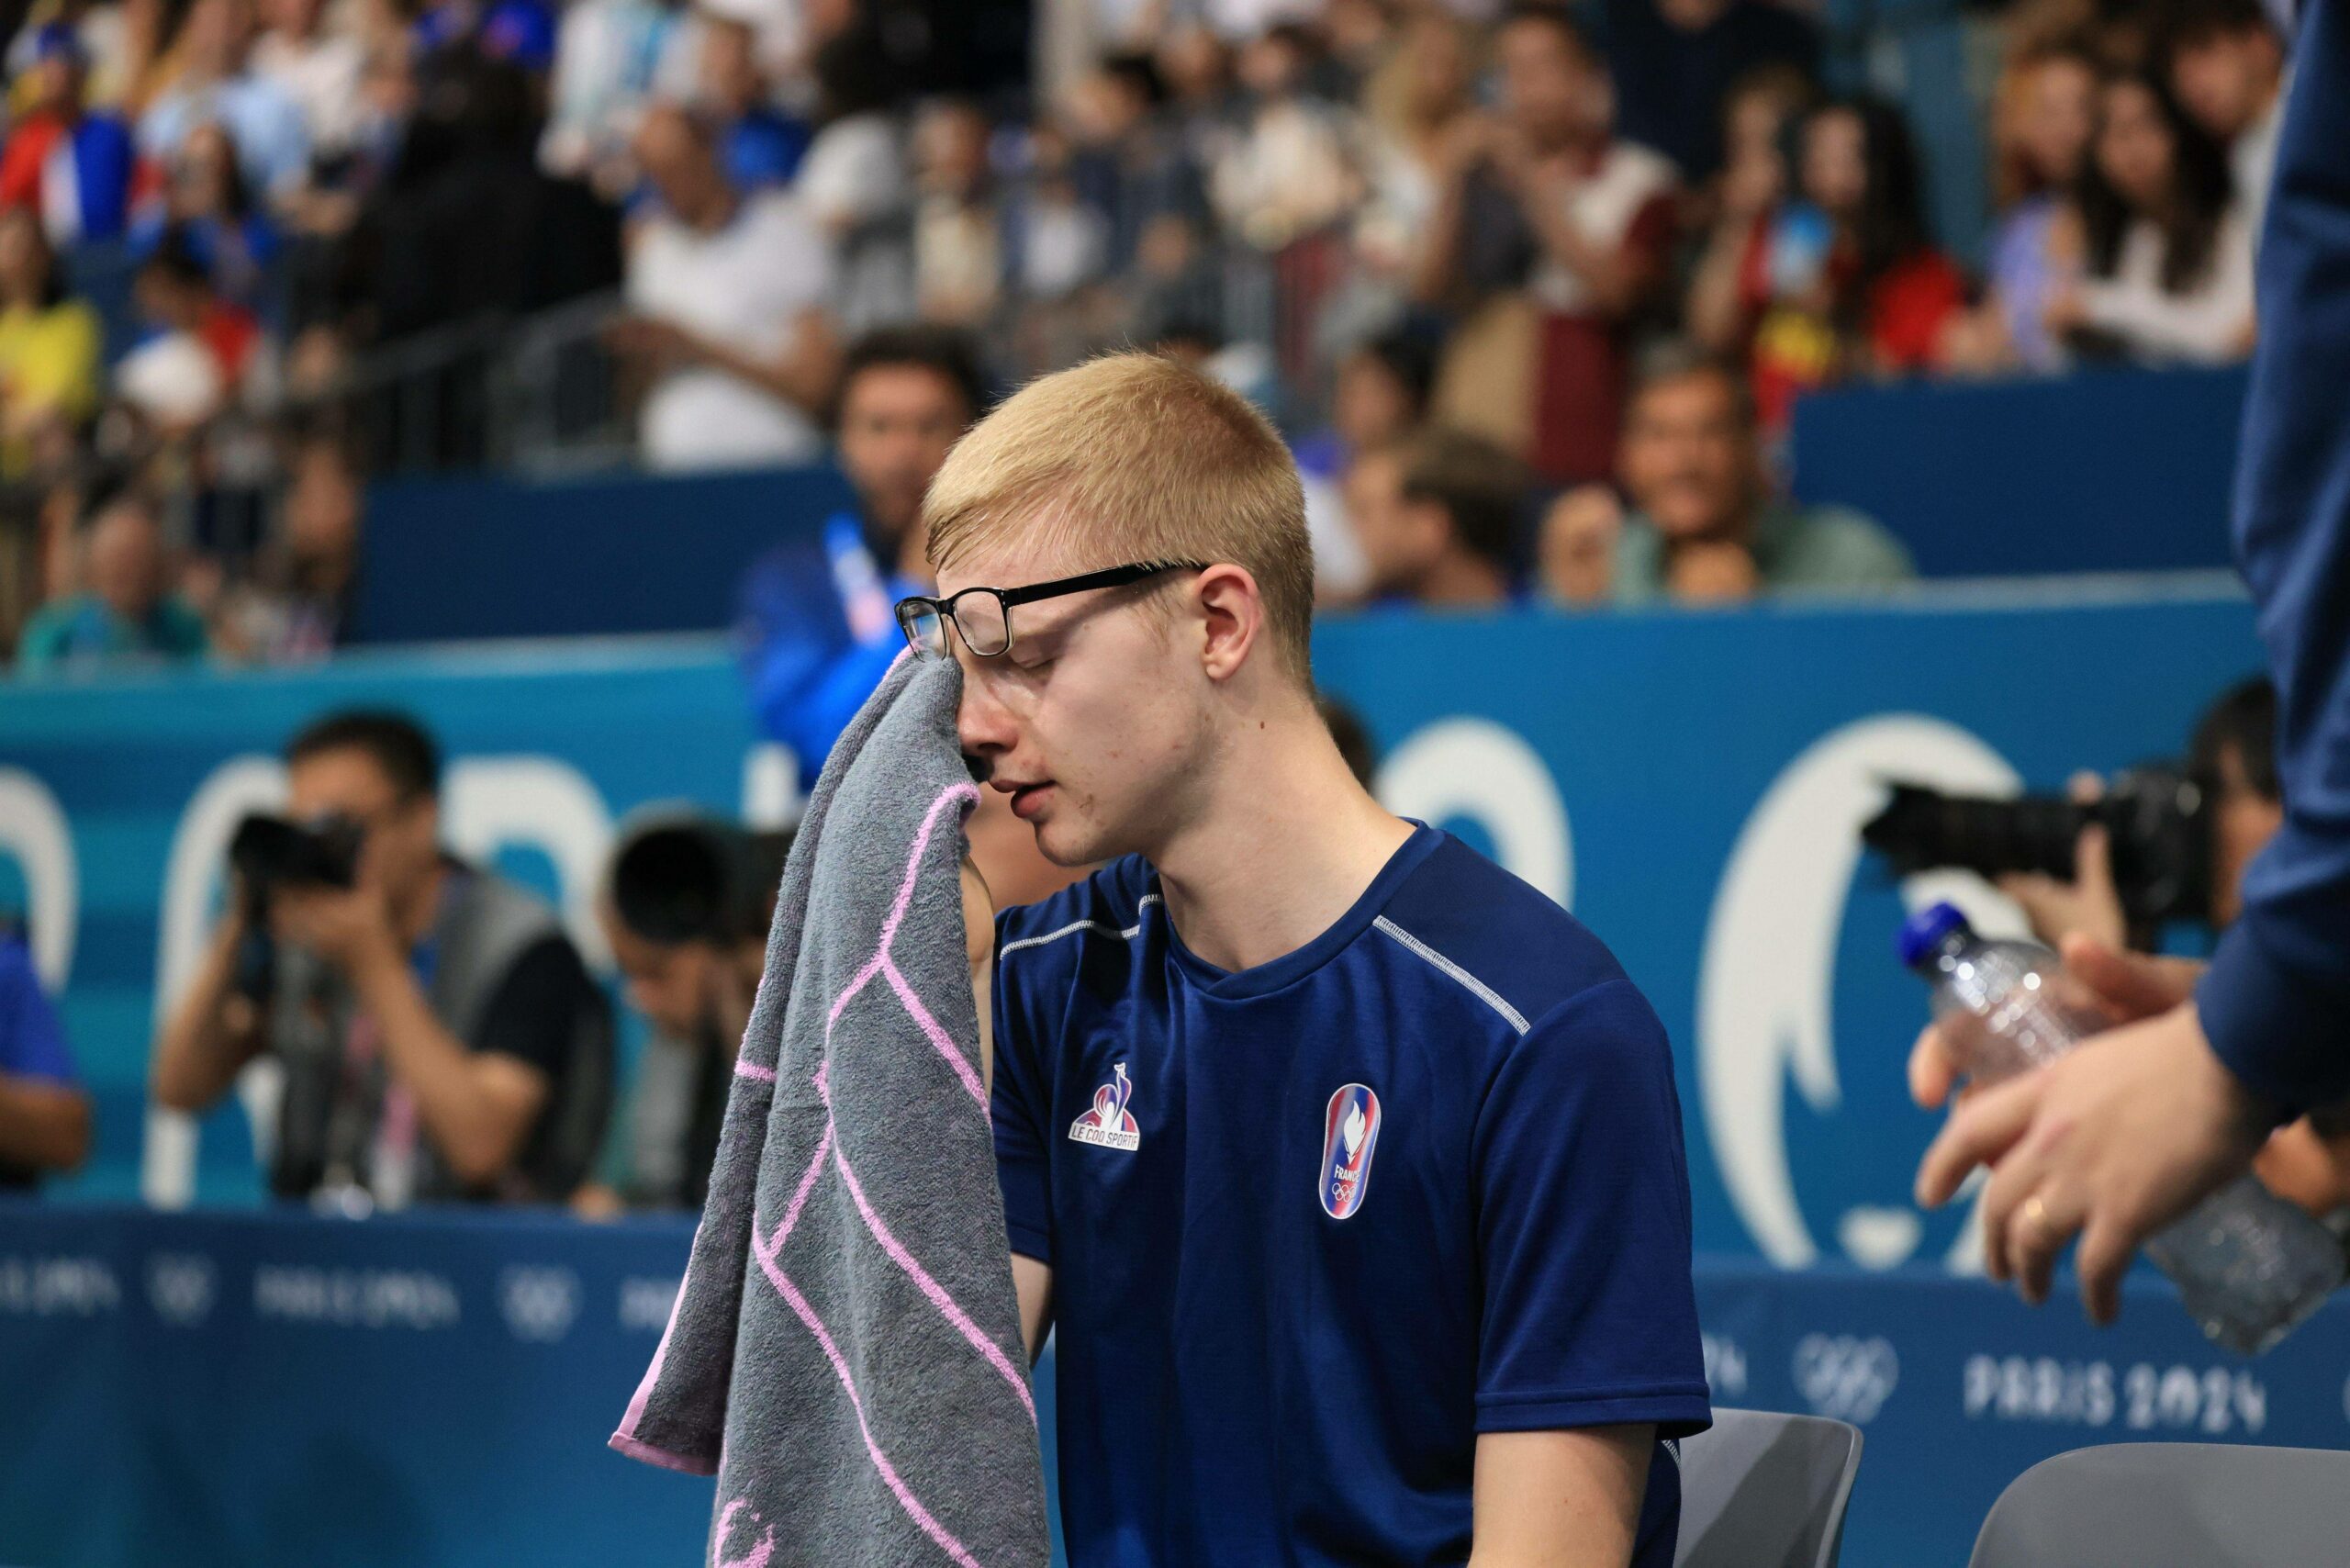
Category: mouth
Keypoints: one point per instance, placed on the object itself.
(1026, 799)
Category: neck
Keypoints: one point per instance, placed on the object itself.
(1285, 842)
(324, 575)
(1462, 579)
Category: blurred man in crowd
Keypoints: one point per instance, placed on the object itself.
(684, 909)
(1574, 554)
(1544, 199)
(299, 607)
(440, 1037)
(2227, 65)
(126, 617)
(817, 618)
(44, 1113)
(763, 146)
(1707, 524)
(1437, 518)
(730, 323)
(218, 85)
(203, 351)
(317, 65)
(75, 169)
(817, 621)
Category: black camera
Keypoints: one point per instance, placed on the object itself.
(2157, 817)
(268, 853)
(271, 852)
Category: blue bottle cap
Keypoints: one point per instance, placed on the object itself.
(1924, 931)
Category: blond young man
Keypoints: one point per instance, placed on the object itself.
(1348, 1165)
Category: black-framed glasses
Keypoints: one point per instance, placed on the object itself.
(982, 616)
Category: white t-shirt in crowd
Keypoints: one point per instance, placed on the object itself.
(2208, 324)
(321, 74)
(746, 286)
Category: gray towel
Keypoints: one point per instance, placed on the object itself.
(844, 1353)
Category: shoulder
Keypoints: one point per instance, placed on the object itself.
(780, 227)
(791, 593)
(183, 625)
(520, 938)
(51, 618)
(1494, 938)
(1640, 562)
(1113, 903)
(772, 211)
(1831, 545)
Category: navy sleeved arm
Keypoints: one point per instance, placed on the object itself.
(2276, 1002)
(1021, 1106)
(1583, 1190)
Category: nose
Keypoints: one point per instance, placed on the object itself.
(981, 721)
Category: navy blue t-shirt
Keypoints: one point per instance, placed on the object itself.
(1316, 1224)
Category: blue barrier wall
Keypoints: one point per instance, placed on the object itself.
(1690, 784)
(283, 1392)
(497, 556)
(2106, 471)
(2109, 472)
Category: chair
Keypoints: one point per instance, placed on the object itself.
(1763, 1490)
(2173, 1505)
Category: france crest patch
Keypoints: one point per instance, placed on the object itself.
(1349, 1134)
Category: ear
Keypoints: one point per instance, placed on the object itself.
(1233, 615)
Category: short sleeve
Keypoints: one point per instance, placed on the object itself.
(1590, 1313)
(32, 1040)
(1020, 1104)
(534, 1014)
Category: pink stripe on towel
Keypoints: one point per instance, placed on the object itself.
(939, 1295)
(873, 965)
(906, 1499)
(653, 1374)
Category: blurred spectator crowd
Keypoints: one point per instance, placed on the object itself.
(1533, 288)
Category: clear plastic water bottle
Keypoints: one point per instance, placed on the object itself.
(2249, 1265)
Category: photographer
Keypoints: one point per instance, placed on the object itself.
(2232, 760)
(684, 909)
(440, 1037)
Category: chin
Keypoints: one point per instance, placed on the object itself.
(1071, 844)
(1058, 849)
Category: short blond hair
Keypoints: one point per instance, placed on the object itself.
(1135, 457)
